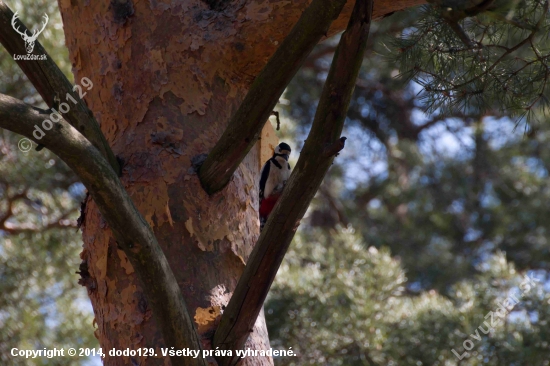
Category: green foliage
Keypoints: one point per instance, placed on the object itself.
(325, 305)
(337, 302)
(454, 196)
(478, 61)
(442, 193)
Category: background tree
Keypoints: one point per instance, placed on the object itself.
(457, 199)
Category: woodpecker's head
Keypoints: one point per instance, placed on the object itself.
(282, 150)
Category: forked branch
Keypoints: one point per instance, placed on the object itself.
(245, 126)
(50, 81)
(132, 232)
(315, 159)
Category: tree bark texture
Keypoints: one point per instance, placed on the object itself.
(167, 78)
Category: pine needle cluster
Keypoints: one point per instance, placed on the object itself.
(493, 56)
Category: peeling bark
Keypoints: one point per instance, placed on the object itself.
(130, 230)
(167, 78)
(246, 124)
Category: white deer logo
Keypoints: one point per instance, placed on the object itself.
(29, 40)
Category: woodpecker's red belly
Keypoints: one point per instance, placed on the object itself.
(268, 204)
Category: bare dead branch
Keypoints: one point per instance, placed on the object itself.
(50, 81)
(245, 126)
(132, 232)
(249, 296)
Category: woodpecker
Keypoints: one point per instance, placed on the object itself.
(273, 177)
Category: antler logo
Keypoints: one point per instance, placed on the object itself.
(29, 40)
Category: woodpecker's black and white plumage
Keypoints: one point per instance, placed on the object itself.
(273, 177)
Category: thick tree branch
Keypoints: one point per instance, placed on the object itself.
(246, 124)
(50, 81)
(248, 298)
(131, 231)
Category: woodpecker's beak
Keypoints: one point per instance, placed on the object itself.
(285, 154)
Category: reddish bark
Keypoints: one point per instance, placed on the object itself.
(167, 77)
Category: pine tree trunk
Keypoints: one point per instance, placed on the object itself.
(167, 77)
